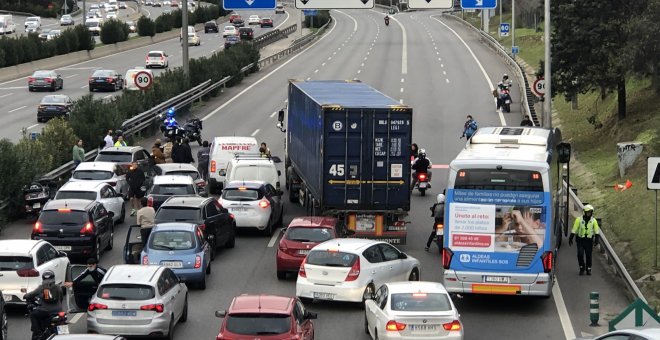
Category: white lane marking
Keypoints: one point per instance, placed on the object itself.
(316, 71)
(481, 67)
(309, 78)
(286, 100)
(368, 52)
(335, 52)
(442, 65)
(403, 80)
(108, 96)
(329, 58)
(358, 72)
(76, 317)
(273, 239)
(71, 76)
(273, 114)
(32, 126)
(355, 25)
(404, 48)
(82, 87)
(566, 324)
(16, 109)
(444, 73)
(447, 80)
(6, 95)
(323, 64)
(66, 68)
(365, 58)
(362, 64)
(255, 132)
(266, 76)
(402, 90)
(13, 88)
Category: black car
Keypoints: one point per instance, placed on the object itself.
(231, 41)
(238, 22)
(206, 212)
(106, 80)
(48, 80)
(56, 105)
(167, 186)
(76, 227)
(211, 26)
(3, 319)
(246, 33)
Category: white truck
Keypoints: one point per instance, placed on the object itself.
(7, 24)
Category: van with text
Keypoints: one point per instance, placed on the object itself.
(223, 150)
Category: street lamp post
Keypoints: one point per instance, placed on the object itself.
(547, 75)
(184, 39)
(513, 24)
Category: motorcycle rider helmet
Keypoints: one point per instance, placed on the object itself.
(441, 199)
(505, 76)
(422, 153)
(48, 275)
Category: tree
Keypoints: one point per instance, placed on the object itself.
(644, 43)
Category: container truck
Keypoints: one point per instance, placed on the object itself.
(348, 155)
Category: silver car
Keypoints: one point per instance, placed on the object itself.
(95, 191)
(107, 172)
(138, 300)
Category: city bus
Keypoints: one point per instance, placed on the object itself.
(500, 232)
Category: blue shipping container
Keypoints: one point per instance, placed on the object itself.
(350, 144)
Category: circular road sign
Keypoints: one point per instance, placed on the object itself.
(143, 80)
(539, 87)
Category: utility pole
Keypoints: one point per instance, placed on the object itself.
(547, 75)
(84, 12)
(513, 24)
(184, 39)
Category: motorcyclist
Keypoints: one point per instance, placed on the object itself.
(504, 84)
(51, 296)
(169, 121)
(437, 211)
(421, 165)
(387, 20)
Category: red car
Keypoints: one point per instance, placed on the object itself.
(302, 235)
(266, 317)
(266, 22)
(234, 16)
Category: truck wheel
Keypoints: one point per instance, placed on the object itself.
(292, 195)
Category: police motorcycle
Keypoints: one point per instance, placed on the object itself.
(192, 129)
(35, 196)
(58, 321)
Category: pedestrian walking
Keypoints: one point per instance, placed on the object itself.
(135, 178)
(109, 142)
(203, 160)
(146, 218)
(526, 121)
(78, 153)
(588, 233)
(469, 128)
(157, 152)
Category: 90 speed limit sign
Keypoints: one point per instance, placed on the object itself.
(143, 80)
(539, 87)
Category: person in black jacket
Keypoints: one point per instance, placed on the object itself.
(135, 178)
(93, 270)
(187, 152)
(178, 152)
(50, 295)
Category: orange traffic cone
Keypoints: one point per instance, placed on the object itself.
(623, 187)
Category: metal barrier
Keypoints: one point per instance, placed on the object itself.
(295, 46)
(606, 249)
(272, 36)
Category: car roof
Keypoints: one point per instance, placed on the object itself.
(346, 244)
(246, 184)
(55, 96)
(174, 226)
(97, 165)
(126, 149)
(172, 179)
(74, 204)
(86, 337)
(18, 246)
(94, 186)
(313, 221)
(132, 273)
(181, 201)
(416, 286)
(267, 304)
(654, 333)
(156, 52)
(177, 166)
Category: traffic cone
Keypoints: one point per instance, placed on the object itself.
(623, 187)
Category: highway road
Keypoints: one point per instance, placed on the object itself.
(440, 69)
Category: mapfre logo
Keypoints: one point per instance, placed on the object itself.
(464, 258)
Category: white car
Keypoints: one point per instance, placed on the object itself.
(167, 3)
(345, 269)
(107, 172)
(229, 30)
(138, 300)
(21, 264)
(34, 22)
(193, 39)
(254, 20)
(52, 34)
(254, 204)
(412, 310)
(94, 26)
(122, 5)
(111, 15)
(95, 191)
(157, 58)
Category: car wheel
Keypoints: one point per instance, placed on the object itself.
(184, 315)
(112, 239)
(414, 275)
(122, 215)
(231, 242)
(208, 269)
(3, 325)
(202, 284)
(170, 331)
(281, 275)
(97, 254)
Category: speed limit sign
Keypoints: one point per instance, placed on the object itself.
(539, 87)
(143, 80)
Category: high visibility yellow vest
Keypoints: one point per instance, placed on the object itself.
(588, 229)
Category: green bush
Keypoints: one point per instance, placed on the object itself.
(58, 139)
(164, 22)
(86, 41)
(113, 31)
(146, 27)
(42, 8)
(62, 45)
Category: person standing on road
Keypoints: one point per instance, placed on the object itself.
(146, 218)
(167, 150)
(469, 128)
(120, 141)
(109, 142)
(135, 179)
(588, 233)
(78, 153)
(157, 152)
(92, 270)
(264, 151)
(203, 160)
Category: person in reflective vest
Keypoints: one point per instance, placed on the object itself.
(588, 232)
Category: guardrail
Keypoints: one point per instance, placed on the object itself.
(607, 250)
(295, 46)
(272, 36)
(527, 96)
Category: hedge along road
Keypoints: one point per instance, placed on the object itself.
(19, 106)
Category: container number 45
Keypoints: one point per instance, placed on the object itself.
(337, 169)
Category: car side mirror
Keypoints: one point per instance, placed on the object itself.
(277, 159)
(61, 254)
(403, 256)
(311, 316)
(220, 313)
(368, 295)
(280, 116)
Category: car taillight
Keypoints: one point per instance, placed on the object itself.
(30, 79)
(547, 258)
(201, 184)
(395, 326)
(38, 228)
(301, 271)
(110, 80)
(27, 272)
(94, 306)
(212, 166)
(158, 308)
(354, 272)
(88, 228)
(198, 261)
(232, 216)
(452, 326)
(447, 254)
(49, 80)
(202, 227)
(422, 177)
(264, 204)
(145, 259)
(150, 202)
(162, 58)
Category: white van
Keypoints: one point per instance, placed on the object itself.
(7, 24)
(129, 79)
(223, 150)
(251, 167)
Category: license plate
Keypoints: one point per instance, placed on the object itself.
(124, 313)
(423, 328)
(63, 329)
(303, 251)
(36, 205)
(497, 279)
(99, 80)
(172, 264)
(63, 248)
(51, 108)
(238, 209)
(422, 185)
(324, 296)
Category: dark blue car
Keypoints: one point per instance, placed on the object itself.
(231, 41)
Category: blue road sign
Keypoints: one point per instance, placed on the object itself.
(504, 29)
(310, 12)
(515, 50)
(478, 4)
(248, 4)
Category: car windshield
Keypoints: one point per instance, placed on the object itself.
(241, 194)
(193, 174)
(421, 302)
(258, 324)
(155, 54)
(129, 292)
(173, 189)
(230, 28)
(53, 100)
(177, 214)
(171, 240)
(42, 74)
(92, 175)
(130, 23)
(92, 23)
(63, 217)
(114, 156)
(331, 258)
(252, 173)
(66, 16)
(83, 195)
(307, 234)
(13, 263)
(103, 73)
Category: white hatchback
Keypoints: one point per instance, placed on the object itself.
(157, 58)
(412, 310)
(107, 172)
(21, 264)
(254, 20)
(344, 269)
(95, 191)
(229, 30)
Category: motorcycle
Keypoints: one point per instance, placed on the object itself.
(387, 22)
(35, 195)
(192, 129)
(58, 322)
(422, 183)
(505, 100)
